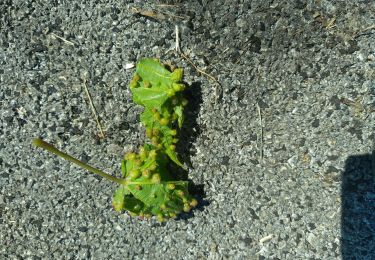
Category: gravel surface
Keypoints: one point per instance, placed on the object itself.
(281, 151)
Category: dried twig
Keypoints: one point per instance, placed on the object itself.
(330, 23)
(265, 239)
(149, 14)
(93, 109)
(261, 132)
(177, 47)
(63, 39)
(364, 31)
(179, 51)
(165, 5)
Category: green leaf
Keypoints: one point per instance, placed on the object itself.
(152, 71)
(172, 154)
(153, 188)
(123, 168)
(179, 110)
(133, 205)
(118, 198)
(158, 198)
(150, 97)
(130, 165)
(147, 119)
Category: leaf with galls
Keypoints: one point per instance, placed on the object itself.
(148, 187)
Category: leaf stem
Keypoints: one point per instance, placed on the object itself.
(42, 144)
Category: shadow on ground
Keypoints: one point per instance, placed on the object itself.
(358, 208)
(185, 149)
(190, 130)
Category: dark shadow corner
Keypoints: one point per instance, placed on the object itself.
(358, 208)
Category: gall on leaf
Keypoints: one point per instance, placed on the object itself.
(177, 75)
(119, 198)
